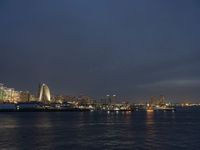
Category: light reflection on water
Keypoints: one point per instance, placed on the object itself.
(150, 140)
(100, 130)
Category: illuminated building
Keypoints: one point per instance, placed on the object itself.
(44, 93)
(9, 94)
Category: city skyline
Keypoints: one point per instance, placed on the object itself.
(44, 94)
(132, 49)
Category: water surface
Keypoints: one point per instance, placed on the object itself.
(100, 130)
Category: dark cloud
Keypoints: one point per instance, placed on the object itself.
(131, 48)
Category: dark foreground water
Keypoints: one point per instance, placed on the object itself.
(99, 130)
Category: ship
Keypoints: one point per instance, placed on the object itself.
(164, 108)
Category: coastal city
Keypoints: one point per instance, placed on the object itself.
(99, 75)
(13, 100)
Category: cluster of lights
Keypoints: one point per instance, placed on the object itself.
(9, 94)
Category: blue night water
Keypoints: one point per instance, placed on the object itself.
(100, 130)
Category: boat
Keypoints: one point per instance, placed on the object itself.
(149, 109)
(160, 108)
(164, 108)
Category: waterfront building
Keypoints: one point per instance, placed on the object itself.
(44, 93)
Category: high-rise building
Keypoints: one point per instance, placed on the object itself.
(44, 93)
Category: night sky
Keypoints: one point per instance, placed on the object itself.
(131, 48)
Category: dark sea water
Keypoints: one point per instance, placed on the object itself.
(100, 130)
